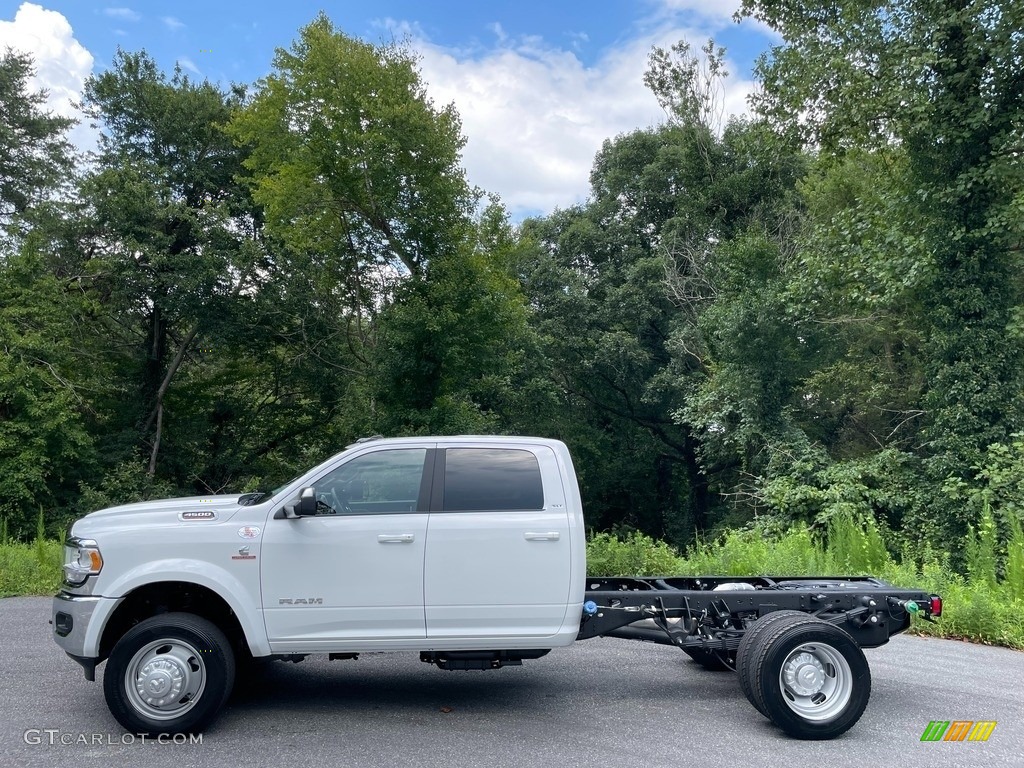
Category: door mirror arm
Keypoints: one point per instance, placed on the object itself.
(304, 506)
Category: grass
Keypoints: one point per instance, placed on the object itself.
(30, 569)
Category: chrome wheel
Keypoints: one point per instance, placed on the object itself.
(165, 679)
(816, 681)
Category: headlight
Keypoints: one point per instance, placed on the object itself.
(82, 559)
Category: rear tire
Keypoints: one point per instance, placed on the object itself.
(810, 677)
(171, 673)
(748, 641)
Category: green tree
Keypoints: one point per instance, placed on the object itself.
(402, 306)
(35, 157)
(937, 85)
(451, 346)
(351, 160)
(46, 447)
(863, 279)
(620, 287)
(166, 236)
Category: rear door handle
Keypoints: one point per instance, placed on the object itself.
(548, 536)
(396, 538)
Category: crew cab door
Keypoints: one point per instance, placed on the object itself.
(354, 571)
(498, 560)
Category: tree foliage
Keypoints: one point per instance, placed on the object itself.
(35, 156)
(929, 92)
(813, 314)
(350, 158)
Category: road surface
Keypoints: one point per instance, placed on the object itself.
(602, 702)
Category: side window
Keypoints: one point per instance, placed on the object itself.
(383, 482)
(491, 479)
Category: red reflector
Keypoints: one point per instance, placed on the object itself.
(936, 605)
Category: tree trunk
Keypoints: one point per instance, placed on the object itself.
(159, 411)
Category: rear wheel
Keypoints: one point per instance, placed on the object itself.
(809, 676)
(171, 673)
(749, 640)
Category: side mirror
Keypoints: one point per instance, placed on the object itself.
(307, 503)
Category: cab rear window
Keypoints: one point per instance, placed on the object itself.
(491, 479)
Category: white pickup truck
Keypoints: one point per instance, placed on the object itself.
(470, 550)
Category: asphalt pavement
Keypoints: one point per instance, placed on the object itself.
(601, 703)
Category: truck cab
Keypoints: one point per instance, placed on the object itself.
(458, 547)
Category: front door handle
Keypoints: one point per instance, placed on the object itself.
(396, 538)
(547, 536)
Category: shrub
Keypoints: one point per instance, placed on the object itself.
(635, 554)
(1015, 561)
(855, 546)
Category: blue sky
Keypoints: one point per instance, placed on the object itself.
(539, 85)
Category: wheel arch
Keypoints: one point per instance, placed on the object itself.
(233, 613)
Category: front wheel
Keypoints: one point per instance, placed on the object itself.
(809, 676)
(171, 673)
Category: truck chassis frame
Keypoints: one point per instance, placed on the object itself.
(706, 613)
(795, 642)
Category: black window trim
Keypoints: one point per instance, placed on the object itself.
(427, 481)
(437, 491)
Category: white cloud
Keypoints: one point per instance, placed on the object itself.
(535, 115)
(577, 39)
(715, 9)
(718, 12)
(123, 13)
(190, 65)
(172, 23)
(498, 30)
(61, 62)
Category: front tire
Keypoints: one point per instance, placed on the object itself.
(171, 673)
(808, 676)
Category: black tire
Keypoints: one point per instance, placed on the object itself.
(714, 661)
(810, 676)
(171, 673)
(748, 641)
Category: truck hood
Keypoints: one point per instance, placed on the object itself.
(224, 506)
